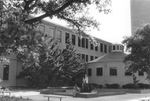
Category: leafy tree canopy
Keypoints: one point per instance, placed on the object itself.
(50, 66)
(17, 29)
(138, 46)
(75, 12)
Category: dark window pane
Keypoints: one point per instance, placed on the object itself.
(101, 45)
(105, 48)
(96, 57)
(83, 57)
(73, 39)
(79, 42)
(67, 37)
(92, 46)
(141, 73)
(96, 48)
(128, 73)
(91, 58)
(87, 43)
(99, 71)
(114, 48)
(86, 58)
(83, 42)
(6, 72)
(113, 71)
(89, 72)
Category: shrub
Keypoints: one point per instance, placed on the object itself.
(139, 85)
(115, 86)
(86, 87)
(96, 85)
(100, 86)
(143, 86)
(128, 86)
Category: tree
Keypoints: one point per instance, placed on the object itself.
(14, 33)
(50, 66)
(138, 46)
(16, 25)
(75, 12)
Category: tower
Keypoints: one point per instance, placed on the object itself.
(140, 14)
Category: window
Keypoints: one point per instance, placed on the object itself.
(89, 72)
(105, 48)
(96, 48)
(92, 46)
(91, 58)
(113, 71)
(58, 35)
(5, 72)
(67, 37)
(120, 47)
(117, 47)
(99, 71)
(101, 45)
(79, 41)
(96, 57)
(51, 33)
(83, 56)
(110, 49)
(141, 73)
(83, 42)
(42, 28)
(128, 73)
(114, 48)
(87, 58)
(87, 43)
(73, 39)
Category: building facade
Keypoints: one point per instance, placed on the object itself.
(110, 69)
(87, 50)
(83, 45)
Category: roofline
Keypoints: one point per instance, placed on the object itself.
(68, 29)
(105, 61)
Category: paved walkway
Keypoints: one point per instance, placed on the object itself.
(36, 96)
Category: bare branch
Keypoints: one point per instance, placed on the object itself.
(39, 18)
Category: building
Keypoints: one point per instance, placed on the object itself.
(139, 13)
(110, 69)
(87, 50)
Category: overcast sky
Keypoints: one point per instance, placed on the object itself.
(115, 25)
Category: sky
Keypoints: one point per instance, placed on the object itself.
(113, 26)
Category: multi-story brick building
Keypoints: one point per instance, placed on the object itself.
(87, 50)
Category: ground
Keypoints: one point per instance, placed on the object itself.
(36, 96)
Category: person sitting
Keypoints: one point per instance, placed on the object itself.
(76, 90)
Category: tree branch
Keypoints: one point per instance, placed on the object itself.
(70, 2)
(54, 12)
(71, 21)
(50, 13)
(39, 18)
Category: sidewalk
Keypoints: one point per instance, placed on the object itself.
(36, 96)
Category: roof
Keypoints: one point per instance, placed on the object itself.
(50, 23)
(113, 56)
